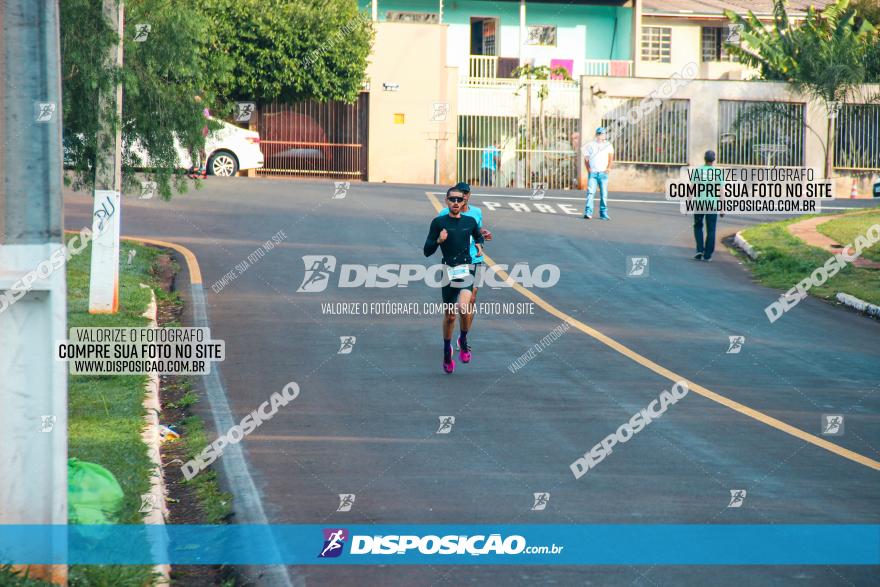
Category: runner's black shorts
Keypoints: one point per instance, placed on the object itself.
(450, 292)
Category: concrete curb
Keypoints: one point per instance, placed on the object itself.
(235, 468)
(742, 244)
(859, 305)
(155, 498)
(844, 298)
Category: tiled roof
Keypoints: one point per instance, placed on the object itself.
(719, 6)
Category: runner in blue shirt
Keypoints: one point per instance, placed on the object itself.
(489, 164)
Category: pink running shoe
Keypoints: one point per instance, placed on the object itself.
(464, 352)
(450, 366)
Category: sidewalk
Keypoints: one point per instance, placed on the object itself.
(806, 231)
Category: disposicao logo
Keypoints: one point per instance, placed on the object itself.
(334, 541)
(432, 544)
(319, 270)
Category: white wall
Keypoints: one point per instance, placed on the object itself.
(687, 47)
(458, 46)
(703, 97)
(413, 56)
(571, 44)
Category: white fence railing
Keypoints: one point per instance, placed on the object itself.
(536, 139)
(482, 67)
(608, 67)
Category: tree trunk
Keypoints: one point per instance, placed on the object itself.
(829, 148)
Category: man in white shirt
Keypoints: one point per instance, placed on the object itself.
(598, 156)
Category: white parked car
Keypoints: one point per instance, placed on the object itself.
(230, 149)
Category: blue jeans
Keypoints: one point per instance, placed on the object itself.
(705, 245)
(600, 179)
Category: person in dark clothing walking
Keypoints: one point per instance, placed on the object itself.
(706, 244)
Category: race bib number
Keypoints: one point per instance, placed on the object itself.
(459, 272)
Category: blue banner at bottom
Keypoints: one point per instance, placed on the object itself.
(672, 544)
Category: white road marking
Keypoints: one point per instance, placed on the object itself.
(623, 200)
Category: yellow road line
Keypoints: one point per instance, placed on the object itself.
(674, 377)
(195, 272)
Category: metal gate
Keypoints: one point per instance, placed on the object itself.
(654, 136)
(761, 133)
(526, 130)
(315, 139)
(857, 139)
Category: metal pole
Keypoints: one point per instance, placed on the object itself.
(528, 151)
(104, 275)
(636, 36)
(437, 161)
(522, 30)
(33, 386)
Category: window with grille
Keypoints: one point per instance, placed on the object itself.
(489, 37)
(713, 43)
(657, 44)
(761, 133)
(857, 137)
(659, 136)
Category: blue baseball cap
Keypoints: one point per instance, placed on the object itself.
(601, 130)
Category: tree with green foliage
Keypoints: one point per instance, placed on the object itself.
(162, 73)
(219, 50)
(823, 58)
(289, 50)
(870, 10)
(788, 51)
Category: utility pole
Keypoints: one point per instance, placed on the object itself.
(636, 46)
(104, 275)
(33, 294)
(522, 30)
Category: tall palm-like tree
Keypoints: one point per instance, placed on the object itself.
(822, 58)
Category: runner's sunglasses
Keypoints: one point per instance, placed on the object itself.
(458, 199)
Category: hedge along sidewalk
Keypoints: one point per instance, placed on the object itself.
(106, 413)
(784, 260)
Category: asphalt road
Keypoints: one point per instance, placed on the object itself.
(365, 422)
